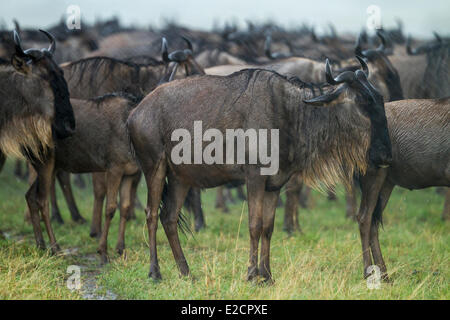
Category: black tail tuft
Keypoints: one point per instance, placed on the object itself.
(183, 220)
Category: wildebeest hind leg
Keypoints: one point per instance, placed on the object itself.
(125, 207)
(56, 214)
(113, 179)
(155, 178)
(176, 194)
(371, 185)
(99, 186)
(66, 187)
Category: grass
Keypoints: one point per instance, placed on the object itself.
(322, 263)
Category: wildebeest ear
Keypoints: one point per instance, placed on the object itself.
(21, 64)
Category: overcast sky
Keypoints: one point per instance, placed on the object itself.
(420, 17)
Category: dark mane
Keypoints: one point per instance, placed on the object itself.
(315, 88)
(91, 66)
(125, 95)
(112, 61)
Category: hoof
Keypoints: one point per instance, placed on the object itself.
(55, 249)
(154, 273)
(265, 276)
(95, 234)
(120, 249)
(199, 227)
(385, 278)
(57, 219)
(79, 220)
(104, 259)
(252, 273)
(40, 244)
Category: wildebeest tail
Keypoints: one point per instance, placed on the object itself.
(131, 149)
(183, 220)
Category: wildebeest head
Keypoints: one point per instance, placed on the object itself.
(39, 64)
(355, 90)
(383, 74)
(180, 58)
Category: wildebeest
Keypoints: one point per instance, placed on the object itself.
(419, 131)
(386, 79)
(97, 76)
(429, 78)
(326, 139)
(94, 77)
(35, 107)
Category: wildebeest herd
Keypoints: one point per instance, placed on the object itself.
(371, 112)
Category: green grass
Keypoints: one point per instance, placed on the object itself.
(322, 263)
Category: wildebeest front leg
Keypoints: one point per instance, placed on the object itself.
(446, 211)
(255, 195)
(79, 181)
(195, 196)
(270, 204)
(66, 187)
(33, 213)
(176, 195)
(229, 195)
(350, 199)
(371, 185)
(39, 196)
(99, 186)
(293, 188)
(378, 260)
(113, 179)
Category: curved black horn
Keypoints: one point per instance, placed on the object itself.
(358, 50)
(52, 46)
(18, 45)
(437, 37)
(164, 50)
(16, 25)
(408, 47)
(267, 45)
(328, 73)
(346, 76)
(189, 43)
(382, 39)
(363, 65)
